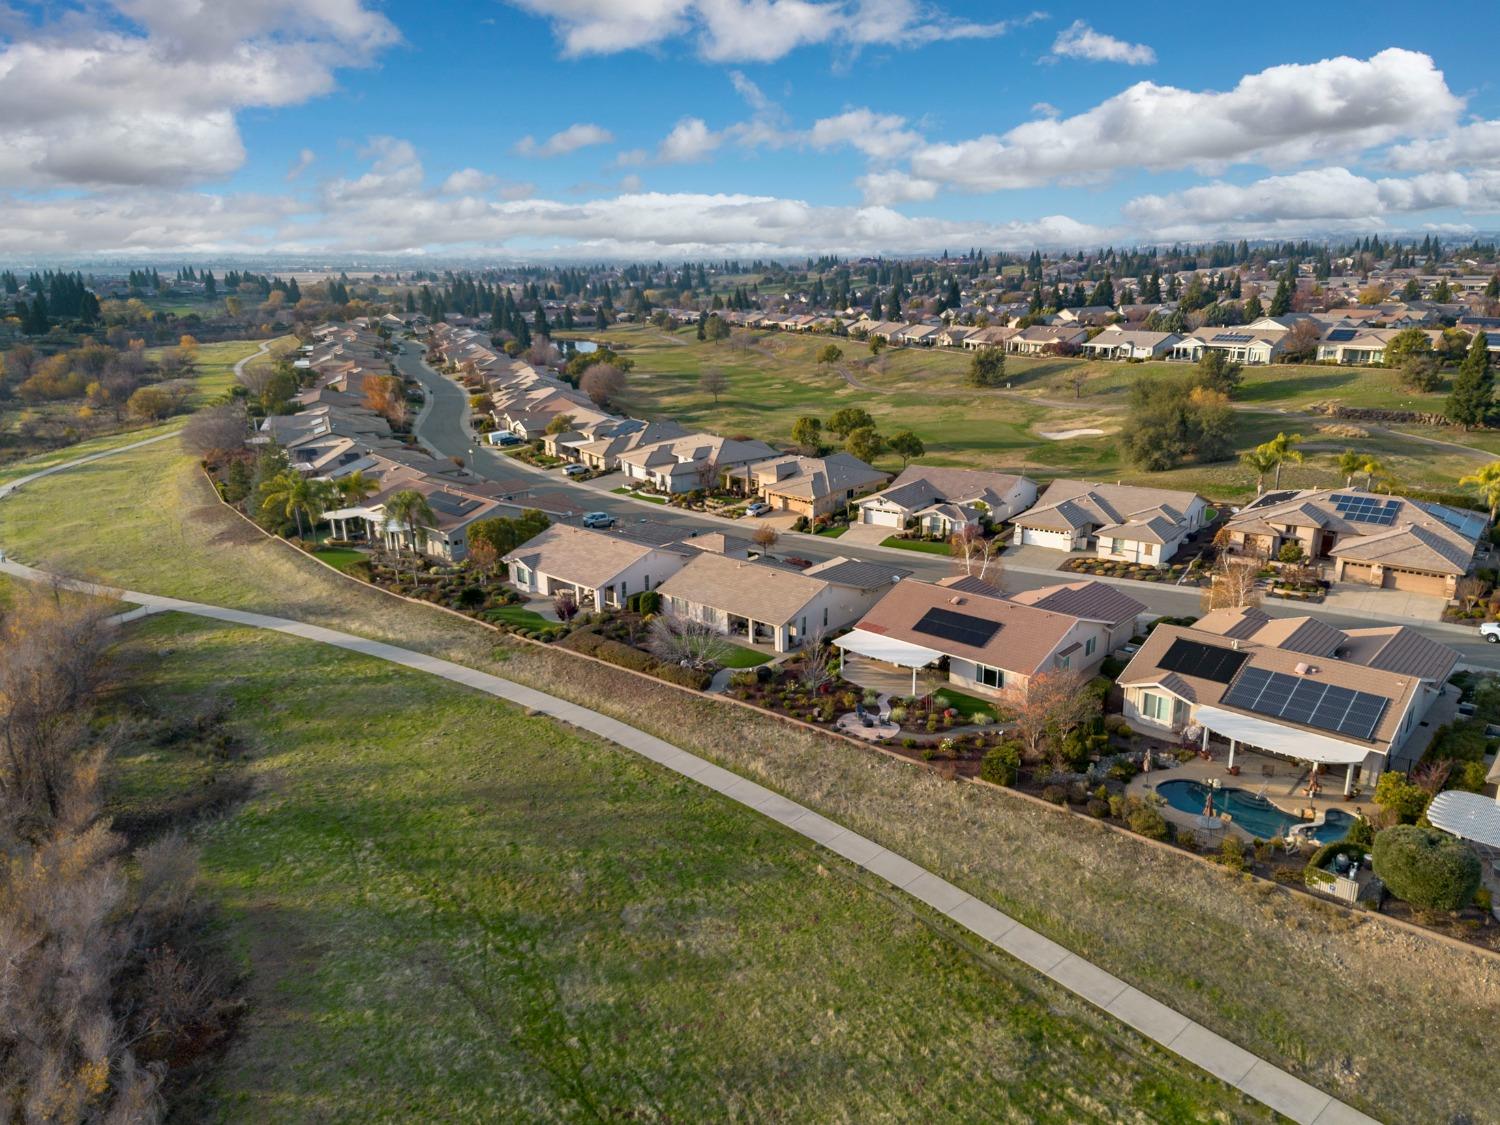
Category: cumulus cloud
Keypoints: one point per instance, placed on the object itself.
(1472, 146)
(1080, 41)
(571, 139)
(467, 180)
(895, 187)
(882, 136)
(146, 93)
(303, 162)
(1332, 198)
(690, 141)
(1280, 116)
(753, 30)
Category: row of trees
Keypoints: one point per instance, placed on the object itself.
(857, 433)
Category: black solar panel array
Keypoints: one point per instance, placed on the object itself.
(1208, 662)
(959, 627)
(1367, 509)
(1297, 700)
(1271, 499)
(1341, 335)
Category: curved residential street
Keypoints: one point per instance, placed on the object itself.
(1255, 1077)
(443, 427)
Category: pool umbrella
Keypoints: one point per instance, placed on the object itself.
(1146, 761)
(1208, 805)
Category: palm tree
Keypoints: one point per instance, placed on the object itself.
(408, 511)
(1281, 449)
(1486, 478)
(296, 496)
(1262, 461)
(1350, 462)
(1371, 468)
(356, 486)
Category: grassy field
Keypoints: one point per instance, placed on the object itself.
(1336, 998)
(449, 910)
(774, 379)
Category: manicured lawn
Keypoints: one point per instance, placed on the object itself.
(646, 496)
(834, 532)
(449, 910)
(967, 705)
(342, 558)
(742, 657)
(1146, 915)
(929, 547)
(520, 616)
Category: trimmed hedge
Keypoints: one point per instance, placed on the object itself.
(1427, 868)
(1002, 765)
(615, 652)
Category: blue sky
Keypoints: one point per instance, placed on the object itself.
(683, 128)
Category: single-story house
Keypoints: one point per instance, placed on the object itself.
(1242, 344)
(774, 604)
(1130, 343)
(1291, 686)
(1047, 339)
(1119, 521)
(996, 336)
(945, 501)
(811, 486)
(598, 568)
(690, 462)
(1371, 539)
(985, 642)
(1090, 316)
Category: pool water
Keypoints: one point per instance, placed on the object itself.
(1255, 815)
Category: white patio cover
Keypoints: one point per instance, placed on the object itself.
(887, 649)
(1469, 816)
(1255, 732)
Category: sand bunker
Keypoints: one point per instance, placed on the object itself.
(1064, 435)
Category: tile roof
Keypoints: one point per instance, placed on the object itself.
(574, 554)
(769, 594)
(1092, 601)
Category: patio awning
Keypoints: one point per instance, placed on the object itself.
(887, 649)
(1277, 739)
(1469, 816)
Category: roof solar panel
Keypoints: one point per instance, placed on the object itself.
(1307, 702)
(1209, 662)
(1339, 335)
(961, 628)
(1367, 509)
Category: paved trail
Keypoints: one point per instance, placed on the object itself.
(1242, 1070)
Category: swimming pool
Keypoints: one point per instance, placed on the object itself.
(1255, 815)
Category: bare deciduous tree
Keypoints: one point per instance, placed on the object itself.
(976, 556)
(1050, 707)
(1232, 584)
(815, 668)
(693, 644)
(216, 431)
(765, 537)
(602, 382)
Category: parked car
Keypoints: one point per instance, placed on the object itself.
(598, 520)
(504, 437)
(575, 470)
(1490, 631)
(759, 508)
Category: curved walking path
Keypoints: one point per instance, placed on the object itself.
(265, 347)
(1268, 1084)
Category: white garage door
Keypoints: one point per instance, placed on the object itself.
(880, 519)
(1053, 540)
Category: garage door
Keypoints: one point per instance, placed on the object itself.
(1055, 540)
(1414, 583)
(879, 518)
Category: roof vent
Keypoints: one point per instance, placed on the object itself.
(1304, 668)
(955, 601)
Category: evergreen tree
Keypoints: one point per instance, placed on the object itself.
(1281, 303)
(1474, 385)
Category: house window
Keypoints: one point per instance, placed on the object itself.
(989, 677)
(1108, 545)
(1158, 708)
(1064, 662)
(1089, 646)
(523, 576)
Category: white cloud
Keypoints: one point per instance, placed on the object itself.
(630, 184)
(1475, 145)
(466, 181)
(303, 162)
(90, 100)
(1317, 199)
(895, 187)
(690, 141)
(1080, 41)
(1280, 116)
(571, 139)
(881, 136)
(753, 30)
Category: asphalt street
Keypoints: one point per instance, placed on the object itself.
(443, 427)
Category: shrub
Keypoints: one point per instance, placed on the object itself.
(898, 715)
(1469, 776)
(1056, 794)
(1232, 853)
(1002, 764)
(694, 678)
(1147, 821)
(1401, 800)
(1124, 770)
(1427, 868)
(1188, 839)
(1098, 808)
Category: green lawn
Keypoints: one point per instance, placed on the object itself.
(967, 705)
(774, 379)
(342, 558)
(448, 910)
(834, 532)
(520, 616)
(742, 657)
(926, 546)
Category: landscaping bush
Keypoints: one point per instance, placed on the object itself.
(1056, 794)
(694, 678)
(1144, 820)
(1468, 776)
(1232, 853)
(1001, 765)
(650, 602)
(1098, 808)
(612, 651)
(1427, 868)
(1321, 858)
(1399, 798)
(1112, 667)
